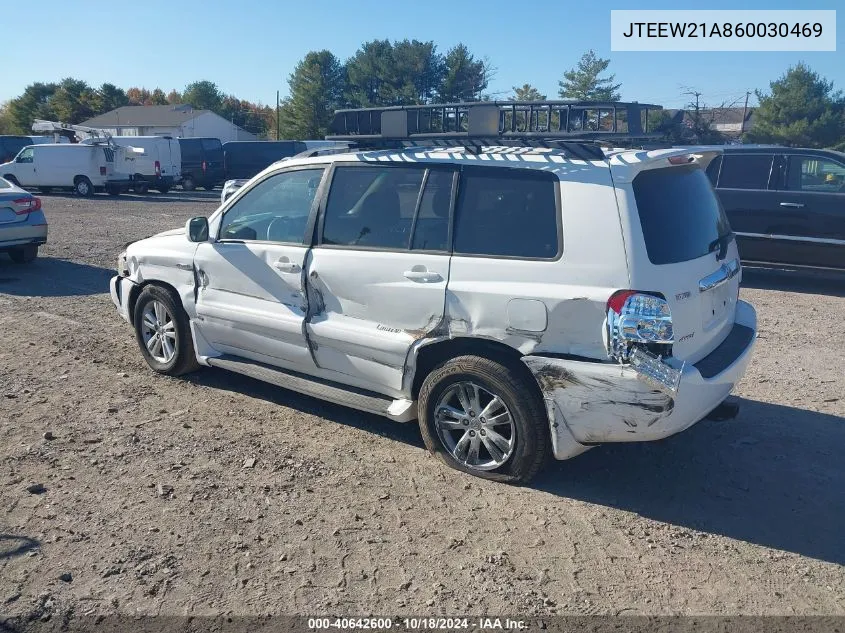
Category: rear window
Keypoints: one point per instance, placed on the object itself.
(681, 216)
(745, 171)
(507, 213)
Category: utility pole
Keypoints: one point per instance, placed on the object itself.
(744, 113)
(277, 115)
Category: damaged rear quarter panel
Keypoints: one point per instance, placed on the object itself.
(601, 402)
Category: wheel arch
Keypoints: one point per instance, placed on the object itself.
(138, 288)
(430, 355)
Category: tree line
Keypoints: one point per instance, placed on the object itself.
(800, 108)
(74, 101)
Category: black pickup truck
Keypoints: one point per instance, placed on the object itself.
(785, 204)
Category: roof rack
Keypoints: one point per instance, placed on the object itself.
(525, 123)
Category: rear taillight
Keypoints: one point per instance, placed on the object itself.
(102, 171)
(26, 205)
(158, 169)
(640, 317)
(639, 332)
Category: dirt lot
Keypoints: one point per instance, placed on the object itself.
(147, 507)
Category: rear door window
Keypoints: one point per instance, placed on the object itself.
(681, 216)
(745, 171)
(812, 173)
(507, 213)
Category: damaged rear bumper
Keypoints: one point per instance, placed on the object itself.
(591, 403)
(119, 289)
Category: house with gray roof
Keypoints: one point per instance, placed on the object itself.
(168, 120)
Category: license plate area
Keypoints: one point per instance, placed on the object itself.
(716, 303)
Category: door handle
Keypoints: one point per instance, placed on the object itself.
(792, 205)
(425, 276)
(286, 266)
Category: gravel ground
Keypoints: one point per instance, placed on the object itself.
(145, 502)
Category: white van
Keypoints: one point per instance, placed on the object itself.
(80, 167)
(159, 167)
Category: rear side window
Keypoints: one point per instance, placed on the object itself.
(745, 171)
(507, 213)
(681, 217)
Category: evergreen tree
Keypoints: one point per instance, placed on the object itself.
(316, 91)
(802, 109)
(464, 76)
(527, 92)
(585, 83)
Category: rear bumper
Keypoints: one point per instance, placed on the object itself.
(591, 403)
(33, 231)
(120, 288)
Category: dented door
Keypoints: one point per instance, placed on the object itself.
(377, 279)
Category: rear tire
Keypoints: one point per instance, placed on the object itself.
(141, 189)
(505, 441)
(163, 332)
(188, 183)
(83, 187)
(113, 191)
(24, 254)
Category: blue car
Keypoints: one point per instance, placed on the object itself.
(23, 227)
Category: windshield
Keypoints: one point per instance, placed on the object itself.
(681, 216)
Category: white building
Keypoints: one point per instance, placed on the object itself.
(168, 120)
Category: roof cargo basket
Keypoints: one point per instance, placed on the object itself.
(526, 123)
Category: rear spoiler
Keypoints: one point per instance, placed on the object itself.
(626, 164)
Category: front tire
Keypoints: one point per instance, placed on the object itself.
(163, 332)
(24, 254)
(83, 187)
(141, 189)
(484, 418)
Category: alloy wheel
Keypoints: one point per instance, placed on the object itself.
(475, 426)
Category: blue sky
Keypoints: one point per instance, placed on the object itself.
(249, 48)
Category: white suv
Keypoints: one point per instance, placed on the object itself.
(518, 302)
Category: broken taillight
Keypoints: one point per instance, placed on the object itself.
(638, 317)
(640, 333)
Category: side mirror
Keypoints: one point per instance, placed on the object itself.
(197, 229)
